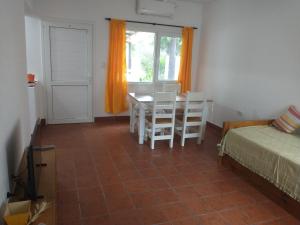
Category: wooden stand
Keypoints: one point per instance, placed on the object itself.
(47, 187)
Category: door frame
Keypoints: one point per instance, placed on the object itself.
(46, 24)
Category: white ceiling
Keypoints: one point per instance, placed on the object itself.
(198, 1)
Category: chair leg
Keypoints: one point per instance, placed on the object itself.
(183, 136)
(152, 137)
(131, 124)
(200, 138)
(152, 143)
(203, 131)
(182, 141)
(171, 143)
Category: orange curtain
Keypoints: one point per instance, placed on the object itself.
(116, 84)
(185, 69)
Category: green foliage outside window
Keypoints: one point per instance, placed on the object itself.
(147, 65)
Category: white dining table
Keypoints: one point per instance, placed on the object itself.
(141, 101)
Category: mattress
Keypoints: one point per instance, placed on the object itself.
(267, 152)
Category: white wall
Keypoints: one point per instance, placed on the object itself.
(14, 128)
(94, 11)
(33, 46)
(250, 57)
(34, 57)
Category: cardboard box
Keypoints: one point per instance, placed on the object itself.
(17, 213)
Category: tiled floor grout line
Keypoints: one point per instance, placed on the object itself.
(98, 180)
(138, 170)
(156, 168)
(174, 189)
(99, 183)
(117, 169)
(101, 186)
(77, 190)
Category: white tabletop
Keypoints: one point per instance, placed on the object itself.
(144, 98)
(147, 98)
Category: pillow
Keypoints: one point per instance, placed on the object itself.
(288, 122)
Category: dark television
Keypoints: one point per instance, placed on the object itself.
(33, 158)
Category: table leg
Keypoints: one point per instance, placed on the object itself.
(203, 133)
(204, 116)
(131, 115)
(141, 124)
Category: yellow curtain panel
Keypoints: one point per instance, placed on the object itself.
(185, 69)
(116, 84)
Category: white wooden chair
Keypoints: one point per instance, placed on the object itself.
(150, 90)
(193, 121)
(161, 125)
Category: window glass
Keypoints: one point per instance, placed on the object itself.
(169, 60)
(152, 56)
(140, 48)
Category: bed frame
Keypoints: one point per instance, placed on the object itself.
(267, 188)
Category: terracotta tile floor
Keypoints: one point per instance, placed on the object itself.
(105, 177)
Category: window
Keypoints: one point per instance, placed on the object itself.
(169, 60)
(152, 56)
(140, 56)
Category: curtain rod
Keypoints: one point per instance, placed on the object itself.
(154, 24)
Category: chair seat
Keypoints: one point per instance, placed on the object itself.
(180, 111)
(190, 129)
(159, 120)
(189, 119)
(147, 111)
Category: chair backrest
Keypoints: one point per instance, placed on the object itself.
(167, 87)
(147, 89)
(164, 106)
(195, 106)
(144, 89)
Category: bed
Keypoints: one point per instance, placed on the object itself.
(267, 152)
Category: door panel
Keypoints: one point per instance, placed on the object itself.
(67, 52)
(68, 107)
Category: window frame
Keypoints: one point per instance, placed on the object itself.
(159, 32)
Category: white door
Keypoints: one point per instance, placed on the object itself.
(68, 69)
